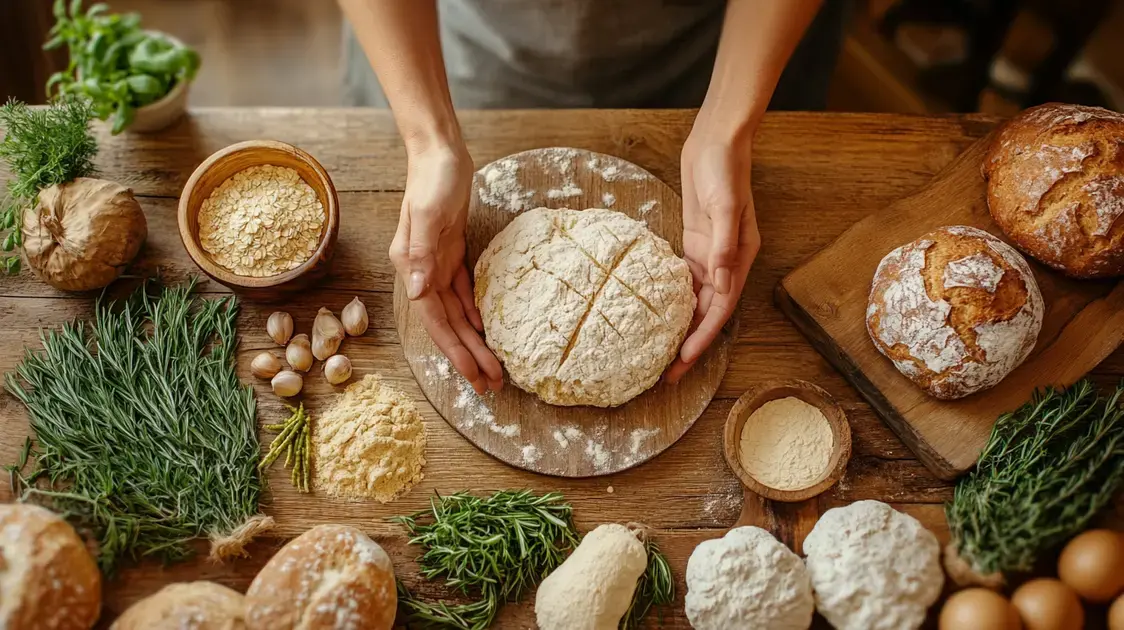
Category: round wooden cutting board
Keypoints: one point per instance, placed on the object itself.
(514, 426)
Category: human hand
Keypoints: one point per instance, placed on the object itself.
(428, 253)
(720, 237)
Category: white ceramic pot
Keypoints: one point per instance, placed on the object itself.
(162, 113)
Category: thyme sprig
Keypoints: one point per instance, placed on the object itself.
(144, 434)
(293, 439)
(492, 549)
(1046, 470)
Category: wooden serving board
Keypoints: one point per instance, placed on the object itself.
(826, 297)
(514, 426)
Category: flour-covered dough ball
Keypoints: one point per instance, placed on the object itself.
(747, 579)
(583, 307)
(873, 568)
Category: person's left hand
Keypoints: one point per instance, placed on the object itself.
(720, 237)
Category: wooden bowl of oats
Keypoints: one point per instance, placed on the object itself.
(260, 217)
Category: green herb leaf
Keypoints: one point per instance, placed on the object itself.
(12, 265)
(45, 146)
(123, 118)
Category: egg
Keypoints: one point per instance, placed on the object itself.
(979, 609)
(1092, 564)
(1116, 614)
(1048, 604)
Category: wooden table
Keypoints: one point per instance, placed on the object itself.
(814, 175)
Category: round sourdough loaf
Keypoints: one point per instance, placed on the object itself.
(583, 307)
(327, 578)
(956, 310)
(194, 605)
(1055, 186)
(48, 579)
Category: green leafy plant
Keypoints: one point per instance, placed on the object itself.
(43, 147)
(144, 435)
(492, 548)
(115, 64)
(1046, 470)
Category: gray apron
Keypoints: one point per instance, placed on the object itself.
(596, 53)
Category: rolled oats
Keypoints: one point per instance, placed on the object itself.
(263, 221)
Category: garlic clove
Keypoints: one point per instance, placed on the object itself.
(287, 383)
(279, 327)
(327, 334)
(337, 369)
(354, 318)
(265, 365)
(299, 353)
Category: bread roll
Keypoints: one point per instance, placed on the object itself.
(329, 577)
(194, 605)
(956, 310)
(1055, 178)
(48, 580)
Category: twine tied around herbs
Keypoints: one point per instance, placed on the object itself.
(233, 544)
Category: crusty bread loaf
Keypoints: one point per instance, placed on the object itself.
(955, 310)
(328, 578)
(48, 579)
(1055, 178)
(194, 605)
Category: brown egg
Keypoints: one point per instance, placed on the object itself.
(979, 609)
(1048, 604)
(1116, 614)
(1092, 564)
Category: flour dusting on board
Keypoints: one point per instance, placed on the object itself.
(608, 199)
(501, 188)
(647, 206)
(569, 189)
(475, 410)
(531, 454)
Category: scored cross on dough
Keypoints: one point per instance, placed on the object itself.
(583, 307)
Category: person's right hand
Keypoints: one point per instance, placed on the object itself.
(428, 253)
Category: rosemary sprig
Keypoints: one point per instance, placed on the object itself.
(292, 440)
(491, 548)
(1046, 470)
(655, 588)
(144, 435)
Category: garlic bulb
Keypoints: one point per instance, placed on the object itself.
(327, 334)
(279, 327)
(354, 318)
(287, 383)
(265, 365)
(299, 353)
(337, 369)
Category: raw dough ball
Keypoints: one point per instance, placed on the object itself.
(194, 605)
(747, 579)
(48, 580)
(583, 307)
(956, 310)
(873, 568)
(1056, 187)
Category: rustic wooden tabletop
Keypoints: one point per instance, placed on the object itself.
(814, 175)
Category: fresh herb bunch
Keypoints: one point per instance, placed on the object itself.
(113, 62)
(293, 439)
(1046, 470)
(655, 588)
(144, 434)
(493, 548)
(43, 147)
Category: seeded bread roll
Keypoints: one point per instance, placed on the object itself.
(1055, 178)
(48, 580)
(329, 577)
(194, 605)
(956, 310)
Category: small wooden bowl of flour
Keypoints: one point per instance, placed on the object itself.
(787, 440)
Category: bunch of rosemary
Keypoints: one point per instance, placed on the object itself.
(293, 439)
(1046, 470)
(493, 548)
(655, 588)
(144, 434)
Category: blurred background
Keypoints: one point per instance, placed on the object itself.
(919, 56)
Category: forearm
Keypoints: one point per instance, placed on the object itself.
(400, 38)
(758, 37)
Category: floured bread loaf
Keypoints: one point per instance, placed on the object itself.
(1056, 187)
(955, 310)
(194, 605)
(583, 307)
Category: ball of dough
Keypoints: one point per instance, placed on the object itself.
(747, 579)
(331, 576)
(873, 568)
(1055, 186)
(195, 605)
(48, 579)
(956, 310)
(583, 307)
